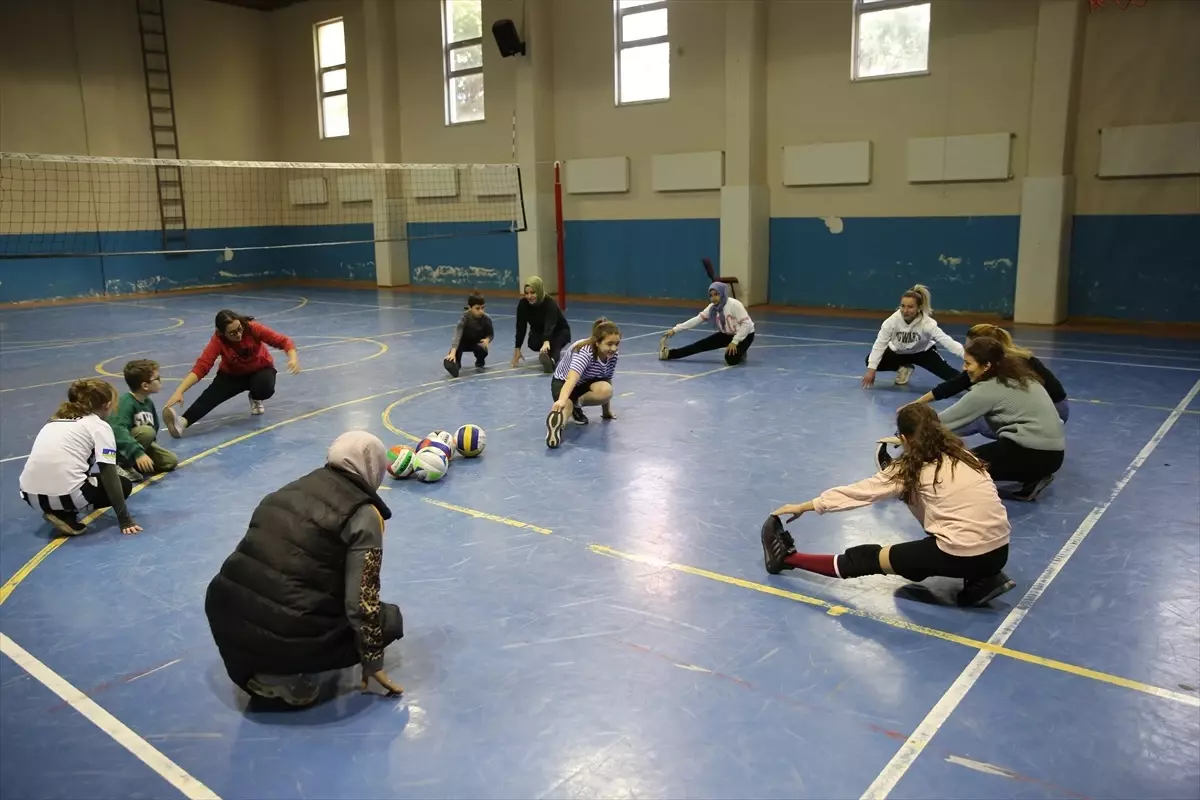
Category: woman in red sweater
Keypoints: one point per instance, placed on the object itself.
(246, 366)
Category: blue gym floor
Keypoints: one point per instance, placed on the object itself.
(595, 621)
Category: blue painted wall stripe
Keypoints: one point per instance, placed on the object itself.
(1143, 267)
(472, 255)
(641, 258)
(968, 263)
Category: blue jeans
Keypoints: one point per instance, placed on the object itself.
(981, 427)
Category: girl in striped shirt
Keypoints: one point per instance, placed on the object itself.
(584, 379)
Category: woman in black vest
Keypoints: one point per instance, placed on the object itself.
(300, 594)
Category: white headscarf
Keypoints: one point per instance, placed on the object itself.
(360, 453)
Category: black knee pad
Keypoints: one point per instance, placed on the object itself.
(860, 560)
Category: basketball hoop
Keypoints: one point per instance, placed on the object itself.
(1121, 4)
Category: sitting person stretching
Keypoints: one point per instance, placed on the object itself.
(949, 492)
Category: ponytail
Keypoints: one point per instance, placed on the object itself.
(1000, 335)
(602, 328)
(86, 396)
(921, 296)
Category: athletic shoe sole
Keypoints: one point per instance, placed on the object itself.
(1000, 589)
(554, 426)
(172, 421)
(772, 546)
(451, 367)
(64, 527)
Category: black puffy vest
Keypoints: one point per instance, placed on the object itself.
(278, 603)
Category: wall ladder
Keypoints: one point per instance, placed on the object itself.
(160, 100)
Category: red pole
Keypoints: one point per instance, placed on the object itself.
(558, 229)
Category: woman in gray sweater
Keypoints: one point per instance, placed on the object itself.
(1006, 392)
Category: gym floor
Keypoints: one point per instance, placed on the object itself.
(595, 620)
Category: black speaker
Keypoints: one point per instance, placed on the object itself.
(507, 38)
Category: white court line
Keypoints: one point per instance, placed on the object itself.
(937, 716)
(171, 772)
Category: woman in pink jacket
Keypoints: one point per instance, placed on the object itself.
(950, 493)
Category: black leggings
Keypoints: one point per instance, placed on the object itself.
(717, 341)
(930, 360)
(260, 385)
(1008, 461)
(98, 498)
(481, 352)
(919, 560)
(581, 388)
(559, 339)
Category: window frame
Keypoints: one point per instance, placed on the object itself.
(448, 71)
(322, 95)
(862, 7)
(620, 47)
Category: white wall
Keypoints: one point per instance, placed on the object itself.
(71, 79)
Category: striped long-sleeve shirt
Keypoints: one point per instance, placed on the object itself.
(586, 365)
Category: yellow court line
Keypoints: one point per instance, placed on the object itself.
(21, 347)
(525, 372)
(838, 610)
(11, 584)
(490, 517)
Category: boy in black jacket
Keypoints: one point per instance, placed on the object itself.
(474, 332)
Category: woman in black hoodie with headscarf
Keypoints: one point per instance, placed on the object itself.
(549, 332)
(300, 593)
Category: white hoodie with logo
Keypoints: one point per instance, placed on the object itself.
(910, 337)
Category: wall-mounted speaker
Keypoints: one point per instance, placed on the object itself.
(507, 38)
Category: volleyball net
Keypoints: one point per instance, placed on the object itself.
(54, 206)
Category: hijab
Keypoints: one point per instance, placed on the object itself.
(539, 288)
(361, 454)
(719, 308)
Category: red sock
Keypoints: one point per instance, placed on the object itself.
(819, 563)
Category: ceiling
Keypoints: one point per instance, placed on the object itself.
(260, 5)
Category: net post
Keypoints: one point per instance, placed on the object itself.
(558, 230)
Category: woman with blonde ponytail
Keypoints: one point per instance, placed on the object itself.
(56, 479)
(909, 337)
(948, 490)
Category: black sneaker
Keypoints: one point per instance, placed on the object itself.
(480, 363)
(548, 364)
(451, 366)
(1030, 491)
(578, 415)
(777, 544)
(981, 591)
(65, 522)
(554, 426)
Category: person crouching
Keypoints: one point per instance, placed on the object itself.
(300, 593)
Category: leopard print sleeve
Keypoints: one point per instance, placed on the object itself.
(364, 559)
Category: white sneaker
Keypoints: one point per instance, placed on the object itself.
(903, 374)
(176, 424)
(257, 407)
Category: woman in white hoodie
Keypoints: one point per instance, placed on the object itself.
(910, 337)
(735, 329)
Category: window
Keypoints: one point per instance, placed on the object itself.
(643, 51)
(462, 59)
(334, 106)
(891, 37)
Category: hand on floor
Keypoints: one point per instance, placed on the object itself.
(381, 677)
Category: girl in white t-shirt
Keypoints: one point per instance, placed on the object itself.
(735, 329)
(57, 479)
(909, 337)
